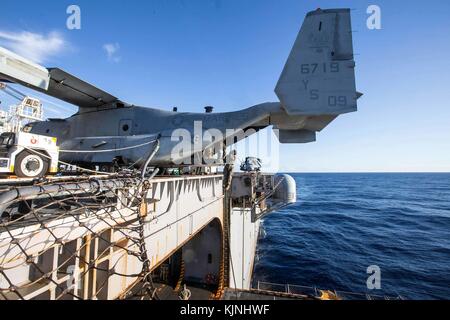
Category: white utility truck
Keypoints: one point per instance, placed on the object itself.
(28, 155)
(22, 153)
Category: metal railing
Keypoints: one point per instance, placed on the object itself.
(316, 292)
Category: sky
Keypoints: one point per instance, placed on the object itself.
(229, 54)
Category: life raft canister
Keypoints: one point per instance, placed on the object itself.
(328, 295)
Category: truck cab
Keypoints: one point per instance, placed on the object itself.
(28, 155)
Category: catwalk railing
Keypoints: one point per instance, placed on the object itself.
(314, 292)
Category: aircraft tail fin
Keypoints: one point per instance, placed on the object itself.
(319, 75)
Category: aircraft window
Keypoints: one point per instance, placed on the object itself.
(125, 127)
(320, 26)
(209, 258)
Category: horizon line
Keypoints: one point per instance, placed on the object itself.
(371, 172)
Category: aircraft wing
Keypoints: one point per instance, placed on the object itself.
(52, 81)
(69, 88)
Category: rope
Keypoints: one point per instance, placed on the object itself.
(94, 171)
(109, 150)
(66, 163)
(181, 277)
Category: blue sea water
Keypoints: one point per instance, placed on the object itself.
(343, 223)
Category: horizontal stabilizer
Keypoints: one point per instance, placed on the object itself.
(319, 75)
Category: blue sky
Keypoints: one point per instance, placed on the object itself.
(229, 54)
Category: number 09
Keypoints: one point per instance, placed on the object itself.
(334, 101)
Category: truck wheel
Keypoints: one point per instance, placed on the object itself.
(30, 165)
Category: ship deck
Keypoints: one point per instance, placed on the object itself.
(198, 292)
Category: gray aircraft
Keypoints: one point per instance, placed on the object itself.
(316, 85)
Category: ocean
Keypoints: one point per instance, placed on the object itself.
(344, 223)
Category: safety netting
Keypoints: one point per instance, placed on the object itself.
(75, 238)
